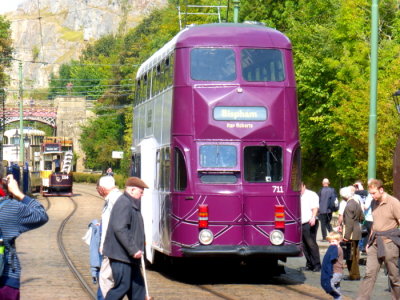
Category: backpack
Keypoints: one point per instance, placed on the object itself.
(333, 202)
(2, 242)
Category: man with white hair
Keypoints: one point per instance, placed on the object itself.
(352, 217)
(107, 189)
(327, 196)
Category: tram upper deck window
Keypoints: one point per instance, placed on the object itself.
(218, 156)
(263, 164)
(212, 64)
(262, 65)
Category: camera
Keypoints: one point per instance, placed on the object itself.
(5, 184)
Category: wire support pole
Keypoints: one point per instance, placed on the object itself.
(372, 129)
(236, 5)
(21, 116)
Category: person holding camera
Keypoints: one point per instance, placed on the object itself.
(18, 213)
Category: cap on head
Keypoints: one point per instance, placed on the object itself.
(137, 182)
(325, 181)
(107, 182)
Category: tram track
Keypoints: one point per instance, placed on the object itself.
(85, 286)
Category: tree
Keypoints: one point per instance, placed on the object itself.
(98, 144)
(5, 50)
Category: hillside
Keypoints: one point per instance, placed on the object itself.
(45, 37)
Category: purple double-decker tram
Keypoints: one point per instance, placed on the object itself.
(215, 136)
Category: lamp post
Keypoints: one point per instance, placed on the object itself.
(396, 156)
(27, 142)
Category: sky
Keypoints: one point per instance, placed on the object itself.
(9, 5)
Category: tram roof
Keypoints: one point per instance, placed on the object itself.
(219, 35)
(159, 55)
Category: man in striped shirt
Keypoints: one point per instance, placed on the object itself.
(17, 215)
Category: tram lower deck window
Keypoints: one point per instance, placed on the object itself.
(263, 164)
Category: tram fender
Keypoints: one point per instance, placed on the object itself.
(242, 251)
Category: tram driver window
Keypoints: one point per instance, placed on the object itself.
(262, 65)
(212, 64)
(263, 164)
(218, 156)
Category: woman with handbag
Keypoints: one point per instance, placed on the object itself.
(352, 217)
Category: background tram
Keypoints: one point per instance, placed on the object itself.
(11, 151)
(215, 136)
(56, 159)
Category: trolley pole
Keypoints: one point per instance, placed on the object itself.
(21, 117)
(373, 91)
(236, 4)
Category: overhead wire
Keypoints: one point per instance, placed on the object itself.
(62, 13)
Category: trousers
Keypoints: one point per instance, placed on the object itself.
(310, 246)
(325, 224)
(128, 280)
(353, 261)
(373, 267)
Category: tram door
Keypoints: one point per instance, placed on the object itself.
(150, 198)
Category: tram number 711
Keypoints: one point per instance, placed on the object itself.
(277, 189)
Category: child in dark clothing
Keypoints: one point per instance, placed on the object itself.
(332, 266)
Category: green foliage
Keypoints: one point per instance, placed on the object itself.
(85, 177)
(5, 50)
(35, 53)
(94, 178)
(99, 138)
(331, 47)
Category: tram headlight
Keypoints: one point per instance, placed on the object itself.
(206, 237)
(276, 237)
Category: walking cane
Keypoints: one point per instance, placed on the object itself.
(145, 280)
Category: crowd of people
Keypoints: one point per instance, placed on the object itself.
(120, 244)
(368, 222)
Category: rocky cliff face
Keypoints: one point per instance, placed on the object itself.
(47, 33)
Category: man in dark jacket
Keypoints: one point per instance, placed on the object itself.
(327, 196)
(124, 243)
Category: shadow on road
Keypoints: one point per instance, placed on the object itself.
(218, 271)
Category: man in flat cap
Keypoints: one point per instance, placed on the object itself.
(124, 243)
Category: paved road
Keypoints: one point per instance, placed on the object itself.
(45, 276)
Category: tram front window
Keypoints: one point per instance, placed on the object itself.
(218, 156)
(212, 64)
(48, 165)
(220, 160)
(262, 65)
(263, 164)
